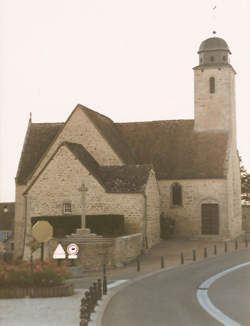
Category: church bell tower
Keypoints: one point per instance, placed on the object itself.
(214, 88)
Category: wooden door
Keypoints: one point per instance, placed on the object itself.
(210, 219)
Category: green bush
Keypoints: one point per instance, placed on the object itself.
(167, 226)
(20, 274)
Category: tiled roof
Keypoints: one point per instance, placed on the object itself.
(175, 150)
(7, 218)
(39, 137)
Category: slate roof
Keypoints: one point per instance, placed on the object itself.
(108, 130)
(175, 150)
(126, 178)
(171, 146)
(115, 179)
(39, 136)
(7, 219)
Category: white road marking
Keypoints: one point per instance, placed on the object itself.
(116, 283)
(206, 303)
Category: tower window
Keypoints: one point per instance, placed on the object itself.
(176, 194)
(211, 85)
(211, 58)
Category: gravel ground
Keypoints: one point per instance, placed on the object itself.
(62, 311)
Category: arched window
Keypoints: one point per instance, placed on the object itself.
(176, 194)
(212, 58)
(211, 85)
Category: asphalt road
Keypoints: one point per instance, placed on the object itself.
(169, 298)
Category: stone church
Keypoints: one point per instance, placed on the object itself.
(187, 169)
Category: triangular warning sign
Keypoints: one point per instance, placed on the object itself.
(59, 253)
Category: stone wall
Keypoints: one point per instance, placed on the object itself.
(214, 111)
(79, 129)
(153, 211)
(60, 182)
(234, 195)
(112, 252)
(246, 218)
(195, 193)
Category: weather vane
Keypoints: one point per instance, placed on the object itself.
(214, 19)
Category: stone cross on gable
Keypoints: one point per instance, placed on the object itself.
(83, 190)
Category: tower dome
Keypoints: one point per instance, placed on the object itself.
(214, 50)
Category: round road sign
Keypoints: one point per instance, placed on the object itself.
(42, 231)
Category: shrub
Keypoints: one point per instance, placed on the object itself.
(167, 226)
(20, 274)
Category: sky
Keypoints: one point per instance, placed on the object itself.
(130, 60)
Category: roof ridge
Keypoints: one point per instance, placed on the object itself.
(47, 123)
(141, 122)
(88, 109)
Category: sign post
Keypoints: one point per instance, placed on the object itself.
(42, 231)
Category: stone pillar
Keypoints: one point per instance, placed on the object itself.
(83, 190)
(27, 234)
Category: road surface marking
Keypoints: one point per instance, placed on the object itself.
(116, 283)
(206, 303)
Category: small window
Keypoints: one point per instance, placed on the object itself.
(176, 190)
(211, 85)
(224, 58)
(67, 208)
(200, 60)
(212, 58)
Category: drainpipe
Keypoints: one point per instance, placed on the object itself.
(145, 222)
(25, 224)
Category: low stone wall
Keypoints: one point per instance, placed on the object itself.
(127, 248)
(112, 252)
(246, 218)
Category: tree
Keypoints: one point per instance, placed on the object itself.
(245, 184)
